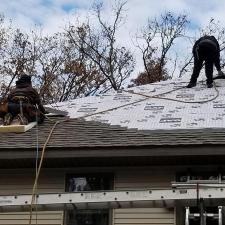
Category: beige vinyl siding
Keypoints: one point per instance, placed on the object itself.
(159, 216)
(22, 183)
(145, 178)
(14, 182)
(141, 179)
(22, 218)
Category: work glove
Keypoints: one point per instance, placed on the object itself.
(221, 73)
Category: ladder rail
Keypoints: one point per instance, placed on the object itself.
(111, 199)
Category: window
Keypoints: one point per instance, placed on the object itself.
(211, 215)
(189, 177)
(223, 177)
(88, 182)
(197, 176)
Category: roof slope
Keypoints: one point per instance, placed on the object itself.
(171, 107)
(131, 119)
(76, 133)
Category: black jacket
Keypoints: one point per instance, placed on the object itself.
(207, 41)
(207, 47)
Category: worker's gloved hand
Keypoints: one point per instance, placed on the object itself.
(221, 73)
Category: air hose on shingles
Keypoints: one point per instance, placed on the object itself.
(177, 100)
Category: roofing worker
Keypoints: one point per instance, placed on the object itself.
(205, 49)
(25, 100)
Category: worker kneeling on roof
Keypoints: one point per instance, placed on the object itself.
(205, 49)
(24, 104)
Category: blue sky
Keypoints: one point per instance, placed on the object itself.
(54, 14)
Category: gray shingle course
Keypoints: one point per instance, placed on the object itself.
(76, 133)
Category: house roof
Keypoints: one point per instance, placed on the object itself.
(178, 116)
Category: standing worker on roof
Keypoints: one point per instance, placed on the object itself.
(205, 49)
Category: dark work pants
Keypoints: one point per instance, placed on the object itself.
(205, 52)
(198, 63)
(13, 108)
(29, 111)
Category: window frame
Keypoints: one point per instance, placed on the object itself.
(108, 175)
(190, 174)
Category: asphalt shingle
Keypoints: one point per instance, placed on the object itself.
(76, 133)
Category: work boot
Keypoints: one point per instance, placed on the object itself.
(221, 73)
(210, 85)
(16, 121)
(19, 120)
(7, 119)
(191, 85)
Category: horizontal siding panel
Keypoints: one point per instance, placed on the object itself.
(21, 182)
(24, 186)
(143, 179)
(144, 221)
(144, 210)
(41, 218)
(144, 216)
(26, 216)
(28, 191)
(146, 185)
(148, 223)
(155, 175)
(7, 178)
(16, 222)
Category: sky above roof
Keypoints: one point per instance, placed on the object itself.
(26, 13)
(52, 15)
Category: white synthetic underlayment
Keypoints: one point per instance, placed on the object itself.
(154, 114)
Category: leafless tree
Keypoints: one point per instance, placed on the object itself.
(114, 62)
(170, 27)
(81, 77)
(151, 76)
(4, 34)
(86, 59)
(19, 56)
(51, 61)
(65, 72)
(157, 39)
(185, 65)
(144, 40)
(4, 37)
